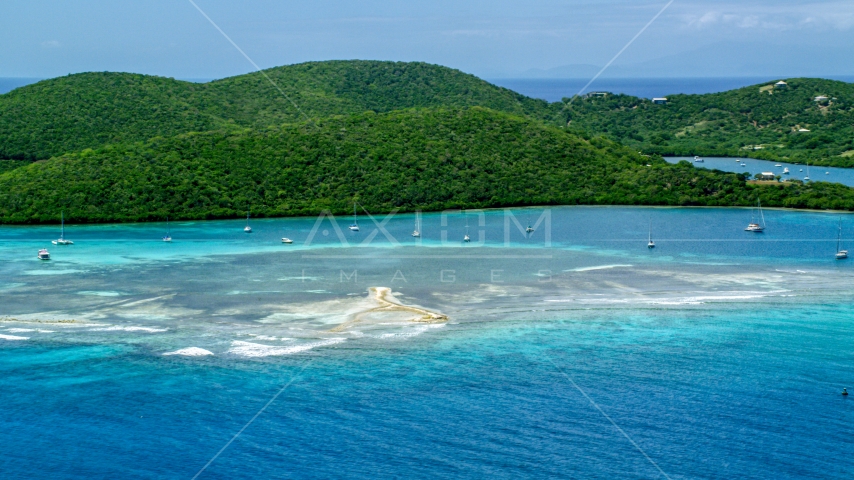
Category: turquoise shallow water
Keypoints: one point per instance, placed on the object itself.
(720, 354)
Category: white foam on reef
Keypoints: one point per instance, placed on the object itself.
(100, 293)
(77, 325)
(25, 330)
(252, 292)
(268, 337)
(411, 332)
(117, 328)
(12, 337)
(52, 272)
(699, 300)
(653, 299)
(248, 349)
(190, 352)
(598, 267)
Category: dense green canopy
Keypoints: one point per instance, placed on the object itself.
(125, 147)
(87, 110)
(428, 158)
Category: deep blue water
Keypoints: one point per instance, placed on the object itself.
(8, 84)
(715, 394)
(720, 354)
(555, 89)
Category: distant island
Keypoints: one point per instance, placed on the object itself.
(116, 147)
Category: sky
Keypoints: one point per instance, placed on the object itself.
(489, 38)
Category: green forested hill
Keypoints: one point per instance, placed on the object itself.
(86, 110)
(428, 158)
(89, 109)
(757, 121)
(329, 88)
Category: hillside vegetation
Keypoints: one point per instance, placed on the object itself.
(88, 110)
(108, 147)
(428, 159)
(758, 121)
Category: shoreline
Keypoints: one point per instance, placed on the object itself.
(406, 213)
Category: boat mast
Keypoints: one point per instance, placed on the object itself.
(761, 215)
(62, 230)
(354, 214)
(839, 236)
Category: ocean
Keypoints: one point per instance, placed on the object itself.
(574, 351)
(7, 84)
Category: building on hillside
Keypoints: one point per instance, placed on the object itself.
(765, 176)
(821, 99)
(781, 84)
(659, 100)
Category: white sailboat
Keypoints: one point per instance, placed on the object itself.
(753, 226)
(355, 225)
(287, 240)
(168, 236)
(808, 172)
(840, 254)
(698, 159)
(247, 228)
(416, 233)
(466, 238)
(650, 243)
(62, 240)
(44, 254)
(786, 171)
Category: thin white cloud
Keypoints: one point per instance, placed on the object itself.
(780, 17)
(51, 44)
